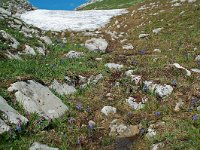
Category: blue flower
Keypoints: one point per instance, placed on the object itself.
(194, 102)
(18, 128)
(142, 52)
(79, 106)
(174, 82)
(157, 113)
(195, 117)
(88, 110)
(145, 88)
(72, 120)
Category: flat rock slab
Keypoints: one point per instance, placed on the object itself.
(10, 114)
(58, 20)
(38, 146)
(37, 98)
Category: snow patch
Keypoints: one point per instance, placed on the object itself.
(59, 20)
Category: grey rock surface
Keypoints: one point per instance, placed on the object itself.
(37, 98)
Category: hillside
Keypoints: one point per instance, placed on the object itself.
(132, 84)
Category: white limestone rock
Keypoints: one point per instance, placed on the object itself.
(188, 73)
(62, 89)
(143, 36)
(128, 46)
(74, 54)
(10, 114)
(38, 146)
(96, 45)
(12, 41)
(197, 58)
(46, 39)
(195, 70)
(36, 98)
(113, 66)
(107, 110)
(156, 31)
(163, 90)
(135, 105)
(29, 50)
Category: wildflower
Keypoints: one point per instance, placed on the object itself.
(130, 114)
(195, 117)
(174, 82)
(72, 120)
(145, 88)
(190, 110)
(142, 131)
(79, 106)
(157, 113)
(91, 124)
(88, 110)
(194, 102)
(18, 128)
(79, 141)
(142, 52)
(134, 62)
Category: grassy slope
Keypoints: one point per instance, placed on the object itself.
(111, 4)
(180, 35)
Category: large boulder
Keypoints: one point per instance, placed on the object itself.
(37, 98)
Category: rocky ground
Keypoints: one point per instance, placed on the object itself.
(133, 84)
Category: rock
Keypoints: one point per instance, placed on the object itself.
(197, 58)
(195, 70)
(95, 79)
(98, 59)
(188, 73)
(163, 90)
(151, 133)
(3, 127)
(40, 50)
(191, 1)
(178, 106)
(159, 90)
(123, 131)
(177, 5)
(133, 104)
(12, 41)
(156, 31)
(38, 146)
(29, 50)
(96, 45)
(143, 36)
(74, 54)
(10, 114)
(13, 56)
(3, 11)
(135, 78)
(157, 50)
(198, 108)
(108, 110)
(36, 98)
(46, 39)
(113, 66)
(91, 123)
(62, 89)
(128, 46)
(157, 146)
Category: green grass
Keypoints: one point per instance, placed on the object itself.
(112, 4)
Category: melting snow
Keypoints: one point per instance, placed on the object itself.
(59, 20)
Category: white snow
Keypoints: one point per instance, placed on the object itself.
(59, 20)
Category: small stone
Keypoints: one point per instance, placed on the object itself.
(133, 104)
(74, 54)
(156, 31)
(113, 66)
(197, 58)
(191, 1)
(98, 59)
(178, 106)
(198, 108)
(157, 50)
(151, 133)
(163, 90)
(157, 146)
(108, 110)
(38, 146)
(128, 46)
(188, 73)
(143, 35)
(195, 70)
